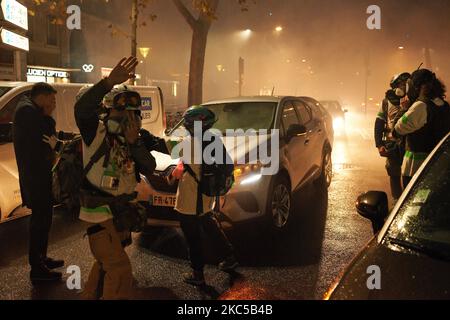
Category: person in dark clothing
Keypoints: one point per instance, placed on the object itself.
(388, 146)
(34, 145)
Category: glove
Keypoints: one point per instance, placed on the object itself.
(52, 141)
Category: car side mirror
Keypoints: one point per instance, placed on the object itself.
(373, 205)
(6, 132)
(296, 130)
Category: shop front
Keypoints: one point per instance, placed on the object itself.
(49, 74)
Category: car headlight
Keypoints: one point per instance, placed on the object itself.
(338, 123)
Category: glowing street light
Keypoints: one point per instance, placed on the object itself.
(401, 48)
(279, 29)
(144, 52)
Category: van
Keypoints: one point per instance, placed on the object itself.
(153, 120)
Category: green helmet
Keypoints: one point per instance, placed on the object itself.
(122, 98)
(201, 114)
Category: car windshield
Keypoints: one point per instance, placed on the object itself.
(4, 90)
(423, 221)
(244, 115)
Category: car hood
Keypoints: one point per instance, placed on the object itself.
(404, 275)
(238, 147)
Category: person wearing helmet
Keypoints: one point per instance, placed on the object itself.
(114, 156)
(420, 122)
(388, 146)
(195, 208)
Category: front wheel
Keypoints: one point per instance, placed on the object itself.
(279, 204)
(326, 174)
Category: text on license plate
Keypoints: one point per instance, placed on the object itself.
(164, 201)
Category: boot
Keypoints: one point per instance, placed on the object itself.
(195, 278)
(229, 264)
(42, 273)
(52, 263)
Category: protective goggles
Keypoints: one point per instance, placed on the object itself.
(127, 101)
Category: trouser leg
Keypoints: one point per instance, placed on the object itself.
(394, 168)
(107, 249)
(40, 224)
(396, 186)
(94, 283)
(406, 180)
(215, 233)
(190, 225)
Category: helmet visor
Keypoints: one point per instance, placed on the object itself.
(127, 101)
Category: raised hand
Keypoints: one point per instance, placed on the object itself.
(123, 71)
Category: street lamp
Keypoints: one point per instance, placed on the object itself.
(279, 29)
(144, 51)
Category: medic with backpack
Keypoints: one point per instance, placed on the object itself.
(197, 198)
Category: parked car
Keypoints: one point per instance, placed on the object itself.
(412, 248)
(306, 142)
(337, 112)
(11, 93)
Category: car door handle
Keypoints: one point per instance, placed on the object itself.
(306, 142)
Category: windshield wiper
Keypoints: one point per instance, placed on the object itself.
(431, 252)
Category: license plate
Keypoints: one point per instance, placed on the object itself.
(163, 201)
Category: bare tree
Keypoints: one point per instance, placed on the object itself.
(200, 26)
(200, 29)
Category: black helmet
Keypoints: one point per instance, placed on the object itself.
(397, 79)
(199, 113)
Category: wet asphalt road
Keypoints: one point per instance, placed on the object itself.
(300, 264)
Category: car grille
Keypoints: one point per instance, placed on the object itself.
(159, 183)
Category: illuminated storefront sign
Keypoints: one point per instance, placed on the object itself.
(15, 40)
(15, 13)
(47, 73)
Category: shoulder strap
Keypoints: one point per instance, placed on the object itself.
(101, 151)
(189, 170)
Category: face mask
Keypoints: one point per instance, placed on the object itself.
(114, 126)
(399, 92)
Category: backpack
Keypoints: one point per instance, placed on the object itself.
(440, 124)
(67, 174)
(216, 179)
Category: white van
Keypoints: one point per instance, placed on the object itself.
(153, 119)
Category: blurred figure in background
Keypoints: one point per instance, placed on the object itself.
(425, 123)
(388, 146)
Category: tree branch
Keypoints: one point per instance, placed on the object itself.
(185, 13)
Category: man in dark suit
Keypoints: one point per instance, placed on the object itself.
(34, 144)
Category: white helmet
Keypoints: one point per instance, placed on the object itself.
(109, 100)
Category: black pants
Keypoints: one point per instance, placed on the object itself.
(41, 221)
(394, 170)
(193, 226)
(406, 181)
